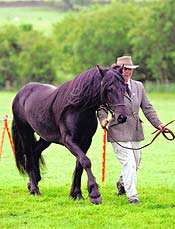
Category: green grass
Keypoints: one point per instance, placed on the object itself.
(162, 87)
(41, 19)
(54, 209)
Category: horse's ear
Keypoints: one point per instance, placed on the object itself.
(121, 69)
(100, 70)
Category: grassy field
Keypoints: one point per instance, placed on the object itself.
(41, 19)
(54, 209)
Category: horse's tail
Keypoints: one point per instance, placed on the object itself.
(22, 159)
(19, 150)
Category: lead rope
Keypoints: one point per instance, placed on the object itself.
(164, 131)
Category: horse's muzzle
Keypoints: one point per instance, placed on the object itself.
(121, 118)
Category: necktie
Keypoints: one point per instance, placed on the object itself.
(128, 90)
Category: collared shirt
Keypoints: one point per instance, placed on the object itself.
(129, 84)
(128, 88)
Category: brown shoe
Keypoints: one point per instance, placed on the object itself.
(134, 201)
(121, 189)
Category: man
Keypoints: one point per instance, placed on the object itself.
(130, 133)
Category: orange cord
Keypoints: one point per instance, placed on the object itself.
(104, 155)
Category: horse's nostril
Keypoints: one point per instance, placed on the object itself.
(121, 118)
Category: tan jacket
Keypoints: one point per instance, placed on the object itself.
(132, 129)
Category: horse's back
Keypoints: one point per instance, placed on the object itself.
(33, 105)
(34, 87)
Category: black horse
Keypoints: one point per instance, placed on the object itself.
(64, 115)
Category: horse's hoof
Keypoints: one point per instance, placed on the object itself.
(97, 200)
(79, 197)
(35, 193)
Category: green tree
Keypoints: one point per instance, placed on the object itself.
(94, 37)
(153, 40)
(36, 59)
(25, 55)
(9, 50)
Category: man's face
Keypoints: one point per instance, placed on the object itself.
(127, 73)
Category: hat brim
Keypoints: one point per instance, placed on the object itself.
(131, 66)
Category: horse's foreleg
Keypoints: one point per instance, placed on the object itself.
(85, 162)
(75, 192)
(94, 194)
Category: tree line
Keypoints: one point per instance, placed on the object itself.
(95, 35)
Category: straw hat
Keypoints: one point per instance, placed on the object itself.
(126, 61)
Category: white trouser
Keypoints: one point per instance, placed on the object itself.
(130, 160)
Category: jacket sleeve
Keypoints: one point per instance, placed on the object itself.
(149, 110)
(102, 113)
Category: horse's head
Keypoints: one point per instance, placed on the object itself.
(112, 92)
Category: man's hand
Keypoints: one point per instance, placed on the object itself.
(104, 123)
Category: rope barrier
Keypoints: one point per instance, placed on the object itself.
(6, 128)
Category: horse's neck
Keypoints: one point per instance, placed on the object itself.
(85, 94)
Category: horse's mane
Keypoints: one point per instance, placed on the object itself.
(80, 90)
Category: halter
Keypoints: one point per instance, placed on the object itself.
(110, 109)
(119, 78)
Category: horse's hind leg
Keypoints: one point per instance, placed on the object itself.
(28, 143)
(39, 147)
